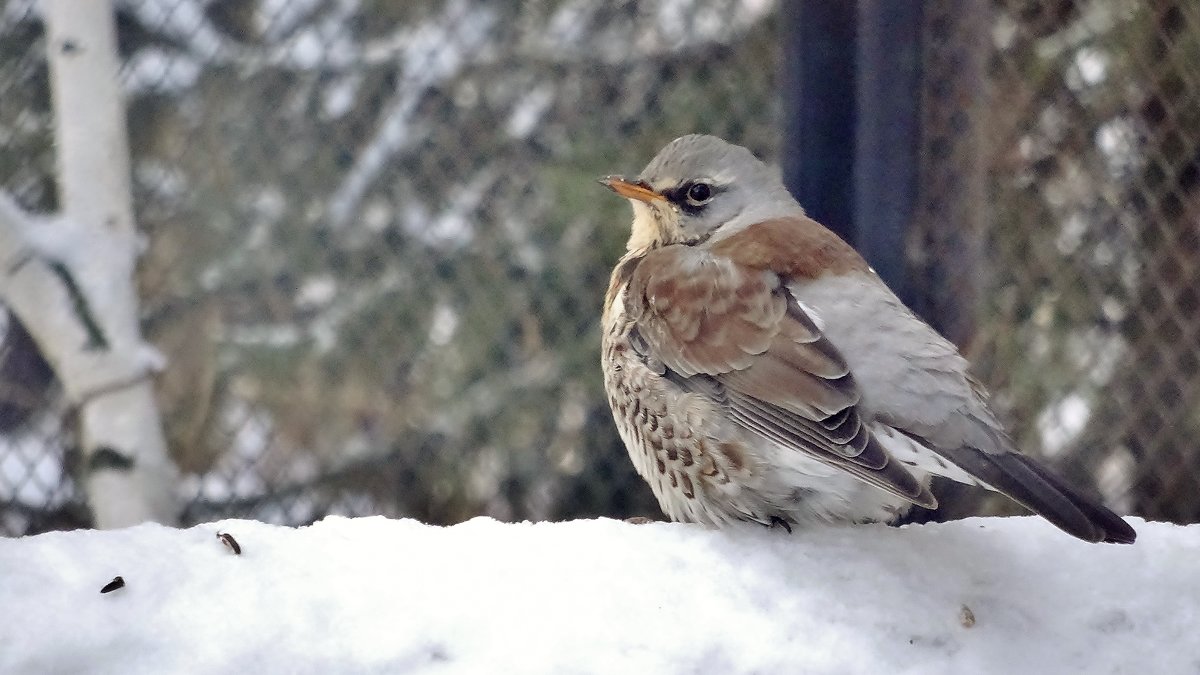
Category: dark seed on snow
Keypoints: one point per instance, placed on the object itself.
(229, 541)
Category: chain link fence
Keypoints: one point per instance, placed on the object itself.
(1061, 196)
(376, 250)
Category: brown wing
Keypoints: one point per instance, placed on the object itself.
(737, 335)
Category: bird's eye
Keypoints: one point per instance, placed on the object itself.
(699, 193)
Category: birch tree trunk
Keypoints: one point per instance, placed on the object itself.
(69, 278)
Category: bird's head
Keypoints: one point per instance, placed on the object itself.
(701, 187)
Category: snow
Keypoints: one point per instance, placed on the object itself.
(577, 30)
(157, 70)
(528, 111)
(434, 51)
(277, 18)
(378, 595)
(181, 19)
(1061, 423)
(31, 472)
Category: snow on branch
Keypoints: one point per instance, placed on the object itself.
(58, 304)
(69, 278)
(68, 309)
(435, 51)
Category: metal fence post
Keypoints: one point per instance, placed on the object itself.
(817, 85)
(851, 92)
(887, 135)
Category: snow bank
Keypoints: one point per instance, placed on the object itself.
(377, 595)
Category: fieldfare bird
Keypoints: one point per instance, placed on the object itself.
(759, 370)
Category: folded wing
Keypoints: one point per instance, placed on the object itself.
(737, 335)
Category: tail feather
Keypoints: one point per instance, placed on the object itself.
(1039, 490)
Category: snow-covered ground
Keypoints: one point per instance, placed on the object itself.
(377, 595)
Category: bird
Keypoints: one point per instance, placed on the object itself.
(758, 369)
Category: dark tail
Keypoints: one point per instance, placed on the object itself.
(1034, 487)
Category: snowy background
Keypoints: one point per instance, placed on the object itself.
(982, 595)
(372, 254)
(374, 250)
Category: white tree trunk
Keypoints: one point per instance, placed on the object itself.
(69, 278)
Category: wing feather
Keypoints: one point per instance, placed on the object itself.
(737, 335)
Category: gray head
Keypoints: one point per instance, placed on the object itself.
(698, 187)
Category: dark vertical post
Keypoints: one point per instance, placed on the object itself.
(888, 134)
(852, 121)
(817, 157)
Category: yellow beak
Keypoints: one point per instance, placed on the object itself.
(630, 189)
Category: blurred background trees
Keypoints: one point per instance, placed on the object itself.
(375, 249)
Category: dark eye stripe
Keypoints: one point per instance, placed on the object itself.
(678, 197)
